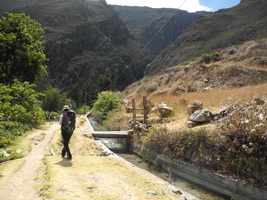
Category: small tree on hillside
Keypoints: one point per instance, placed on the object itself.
(21, 49)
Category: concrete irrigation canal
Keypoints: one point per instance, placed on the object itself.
(190, 178)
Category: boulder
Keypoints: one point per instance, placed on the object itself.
(201, 115)
(218, 117)
(198, 104)
(194, 107)
(164, 110)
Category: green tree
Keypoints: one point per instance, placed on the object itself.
(54, 100)
(20, 110)
(21, 49)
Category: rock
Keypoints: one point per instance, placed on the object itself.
(139, 127)
(194, 107)
(198, 104)
(177, 191)
(19, 151)
(231, 52)
(164, 110)
(222, 114)
(151, 192)
(202, 115)
(191, 124)
(191, 109)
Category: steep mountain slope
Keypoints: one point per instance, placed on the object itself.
(244, 22)
(87, 45)
(238, 66)
(144, 23)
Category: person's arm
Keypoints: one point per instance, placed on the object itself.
(60, 120)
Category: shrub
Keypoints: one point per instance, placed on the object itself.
(184, 145)
(246, 139)
(238, 147)
(208, 58)
(106, 102)
(19, 110)
(83, 110)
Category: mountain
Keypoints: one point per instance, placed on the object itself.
(87, 44)
(146, 23)
(226, 27)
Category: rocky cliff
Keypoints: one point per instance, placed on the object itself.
(88, 46)
(145, 22)
(244, 22)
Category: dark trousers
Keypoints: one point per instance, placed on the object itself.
(65, 139)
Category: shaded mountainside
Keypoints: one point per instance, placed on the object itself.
(145, 22)
(244, 22)
(86, 43)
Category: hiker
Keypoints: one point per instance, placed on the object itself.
(67, 122)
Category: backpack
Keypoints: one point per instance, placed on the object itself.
(70, 120)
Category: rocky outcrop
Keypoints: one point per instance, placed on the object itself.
(145, 22)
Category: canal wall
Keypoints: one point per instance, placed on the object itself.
(217, 183)
(214, 182)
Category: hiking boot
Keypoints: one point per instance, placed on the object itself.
(69, 156)
(63, 153)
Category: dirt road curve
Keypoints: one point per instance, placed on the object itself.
(21, 185)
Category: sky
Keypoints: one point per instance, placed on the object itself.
(189, 5)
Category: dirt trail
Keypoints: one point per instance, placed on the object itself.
(21, 184)
(90, 175)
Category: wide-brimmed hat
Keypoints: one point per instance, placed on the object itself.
(66, 107)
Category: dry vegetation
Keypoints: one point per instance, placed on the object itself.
(233, 147)
(214, 100)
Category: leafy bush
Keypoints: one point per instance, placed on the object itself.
(106, 103)
(83, 110)
(19, 110)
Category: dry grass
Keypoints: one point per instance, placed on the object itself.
(216, 98)
(91, 176)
